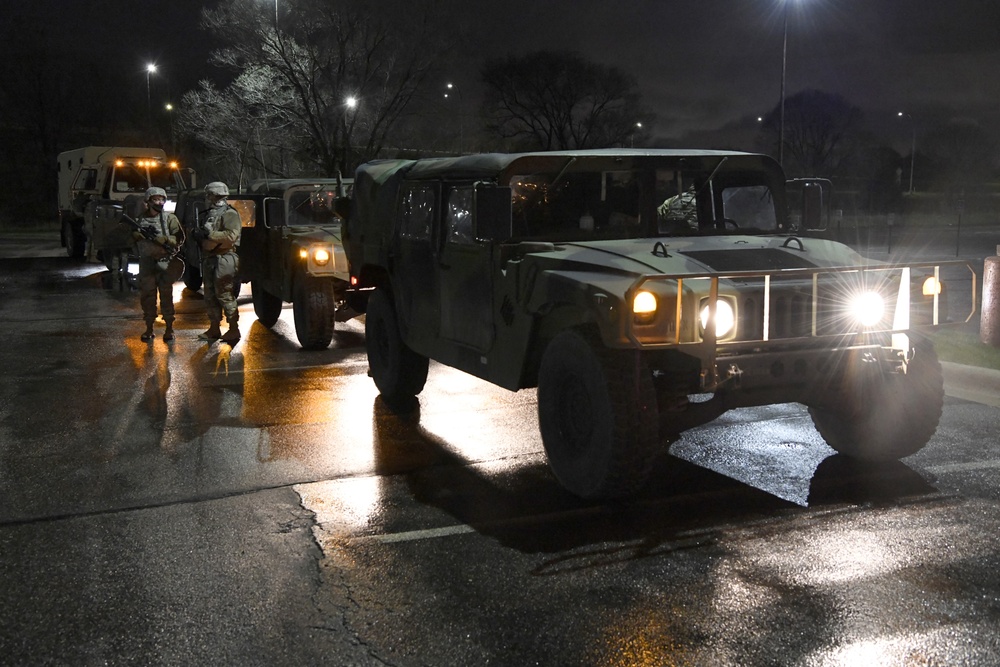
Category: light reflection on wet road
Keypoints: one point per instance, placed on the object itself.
(440, 537)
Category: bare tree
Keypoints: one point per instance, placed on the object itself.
(964, 154)
(553, 101)
(821, 133)
(326, 80)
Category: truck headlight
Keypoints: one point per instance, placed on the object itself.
(867, 308)
(725, 318)
(931, 286)
(644, 306)
(321, 256)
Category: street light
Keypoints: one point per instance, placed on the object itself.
(913, 144)
(170, 108)
(150, 69)
(784, 67)
(638, 126)
(461, 119)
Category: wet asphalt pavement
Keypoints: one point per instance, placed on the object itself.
(186, 504)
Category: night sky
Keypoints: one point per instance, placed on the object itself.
(700, 63)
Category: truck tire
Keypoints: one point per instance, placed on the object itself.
(398, 372)
(74, 240)
(192, 276)
(266, 306)
(598, 417)
(314, 308)
(885, 417)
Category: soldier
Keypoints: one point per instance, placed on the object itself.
(159, 267)
(218, 236)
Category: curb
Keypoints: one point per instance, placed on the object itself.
(972, 383)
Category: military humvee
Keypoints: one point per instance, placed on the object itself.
(289, 250)
(643, 292)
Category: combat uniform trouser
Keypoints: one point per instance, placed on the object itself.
(155, 280)
(219, 275)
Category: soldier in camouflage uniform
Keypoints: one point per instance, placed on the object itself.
(159, 268)
(219, 236)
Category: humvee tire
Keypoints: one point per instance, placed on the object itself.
(314, 307)
(886, 417)
(266, 306)
(598, 417)
(398, 372)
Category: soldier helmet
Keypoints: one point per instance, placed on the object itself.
(217, 188)
(155, 192)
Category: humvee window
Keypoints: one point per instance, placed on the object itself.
(417, 212)
(458, 215)
(750, 207)
(311, 206)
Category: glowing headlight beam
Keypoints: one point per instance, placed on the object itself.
(725, 318)
(644, 303)
(321, 256)
(867, 308)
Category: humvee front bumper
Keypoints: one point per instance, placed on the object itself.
(783, 327)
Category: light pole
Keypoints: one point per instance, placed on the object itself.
(461, 120)
(170, 116)
(631, 141)
(913, 144)
(150, 69)
(784, 62)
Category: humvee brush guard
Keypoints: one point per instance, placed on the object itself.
(643, 292)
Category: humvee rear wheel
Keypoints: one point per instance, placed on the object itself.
(314, 307)
(598, 416)
(884, 417)
(266, 306)
(398, 372)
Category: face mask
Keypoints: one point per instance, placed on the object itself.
(155, 206)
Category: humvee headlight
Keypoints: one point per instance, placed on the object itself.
(644, 306)
(868, 308)
(725, 318)
(931, 286)
(321, 257)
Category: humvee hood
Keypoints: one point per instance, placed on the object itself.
(718, 254)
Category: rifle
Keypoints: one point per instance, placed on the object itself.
(149, 234)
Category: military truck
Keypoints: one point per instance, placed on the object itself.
(94, 184)
(643, 292)
(290, 251)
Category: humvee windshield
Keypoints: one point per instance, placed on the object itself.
(582, 205)
(313, 205)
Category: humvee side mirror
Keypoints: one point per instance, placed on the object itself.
(493, 212)
(342, 207)
(274, 212)
(812, 207)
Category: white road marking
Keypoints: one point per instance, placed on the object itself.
(964, 467)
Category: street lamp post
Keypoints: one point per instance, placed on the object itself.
(461, 120)
(913, 144)
(781, 112)
(631, 141)
(170, 115)
(150, 69)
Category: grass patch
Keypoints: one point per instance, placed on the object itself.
(961, 345)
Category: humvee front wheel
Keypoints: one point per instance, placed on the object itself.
(74, 240)
(598, 416)
(266, 306)
(314, 308)
(885, 417)
(398, 372)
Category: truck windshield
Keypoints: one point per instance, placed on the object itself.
(580, 205)
(131, 178)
